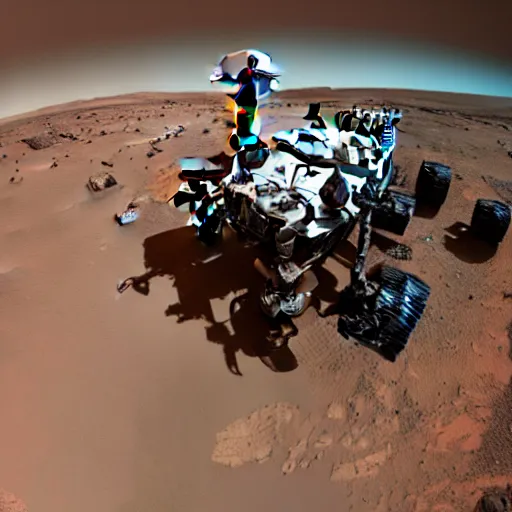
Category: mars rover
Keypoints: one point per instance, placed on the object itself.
(306, 194)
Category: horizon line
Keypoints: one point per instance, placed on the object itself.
(82, 102)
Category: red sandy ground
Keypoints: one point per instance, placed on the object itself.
(110, 404)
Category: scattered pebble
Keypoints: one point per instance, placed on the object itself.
(107, 164)
(150, 154)
(206, 130)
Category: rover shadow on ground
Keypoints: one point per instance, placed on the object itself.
(201, 274)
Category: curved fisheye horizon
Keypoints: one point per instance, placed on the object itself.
(161, 65)
(228, 287)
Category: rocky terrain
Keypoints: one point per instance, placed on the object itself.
(157, 400)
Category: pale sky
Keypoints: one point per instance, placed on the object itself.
(349, 61)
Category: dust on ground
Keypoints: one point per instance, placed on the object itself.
(159, 398)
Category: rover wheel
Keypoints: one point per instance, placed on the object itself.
(384, 319)
(399, 305)
(395, 213)
(490, 220)
(433, 184)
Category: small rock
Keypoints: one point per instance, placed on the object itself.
(288, 104)
(458, 176)
(4, 156)
(89, 142)
(150, 154)
(336, 412)
(107, 164)
(198, 114)
(101, 181)
(470, 297)
(103, 132)
(510, 154)
(206, 130)
(69, 136)
(137, 130)
(230, 124)
(215, 120)
(162, 115)
(54, 164)
(16, 179)
(40, 141)
(79, 117)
